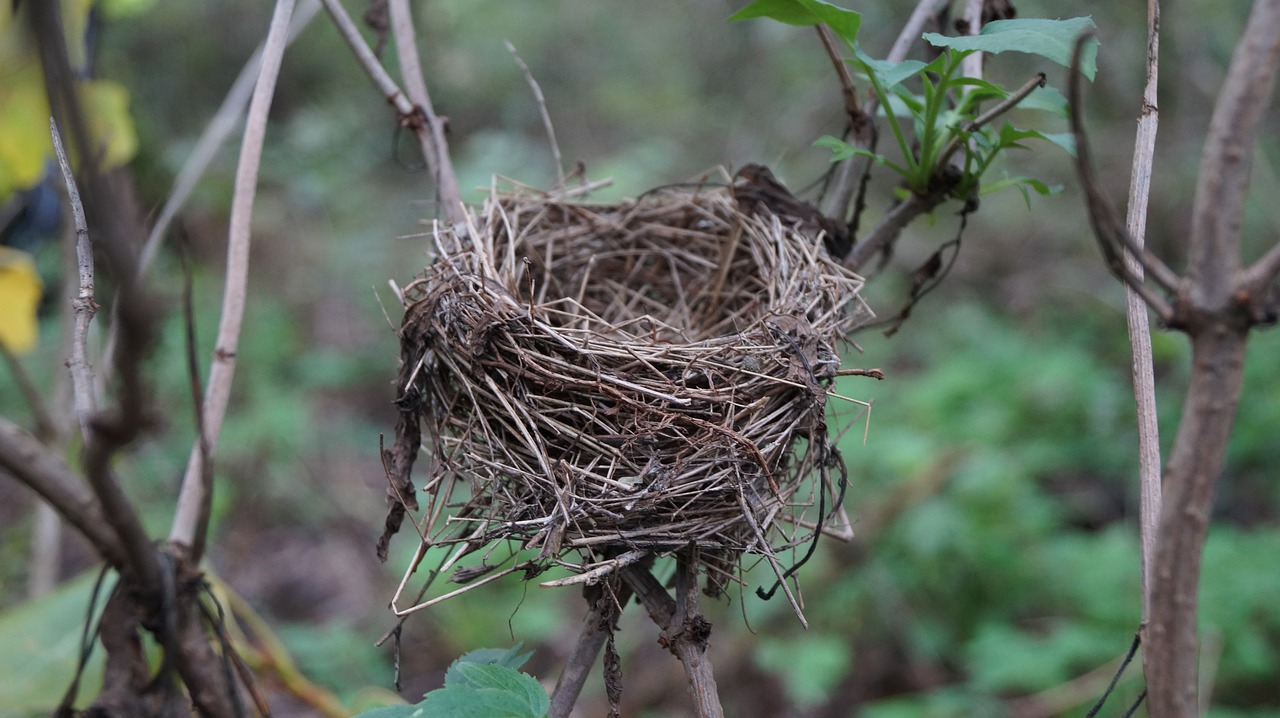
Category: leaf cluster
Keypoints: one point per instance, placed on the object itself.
(939, 105)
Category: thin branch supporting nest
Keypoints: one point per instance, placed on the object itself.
(598, 384)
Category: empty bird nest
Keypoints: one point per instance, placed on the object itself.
(599, 383)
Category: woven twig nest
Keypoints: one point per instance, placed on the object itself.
(600, 383)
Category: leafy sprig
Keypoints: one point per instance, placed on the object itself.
(944, 113)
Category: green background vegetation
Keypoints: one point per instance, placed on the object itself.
(995, 501)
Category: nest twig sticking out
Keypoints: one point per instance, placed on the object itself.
(600, 383)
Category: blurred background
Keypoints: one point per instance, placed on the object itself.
(995, 568)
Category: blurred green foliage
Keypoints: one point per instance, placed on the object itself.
(994, 500)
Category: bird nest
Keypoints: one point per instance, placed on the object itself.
(601, 383)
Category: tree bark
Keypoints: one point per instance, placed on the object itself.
(1199, 453)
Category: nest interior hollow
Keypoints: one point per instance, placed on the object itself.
(634, 378)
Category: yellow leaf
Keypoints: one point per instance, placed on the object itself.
(20, 288)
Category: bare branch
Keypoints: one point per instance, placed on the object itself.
(84, 304)
(542, 110)
(973, 26)
(224, 122)
(1262, 272)
(591, 640)
(1107, 230)
(192, 514)
(914, 28)
(433, 134)
(847, 90)
(418, 116)
(890, 227)
(31, 463)
(367, 60)
(1149, 465)
(1227, 157)
(685, 638)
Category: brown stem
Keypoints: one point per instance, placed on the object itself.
(687, 640)
(890, 227)
(1227, 157)
(431, 136)
(1199, 452)
(1215, 315)
(31, 463)
(1136, 313)
(586, 650)
(1111, 235)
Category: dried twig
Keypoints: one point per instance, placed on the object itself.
(224, 122)
(30, 462)
(1149, 466)
(603, 606)
(84, 304)
(542, 110)
(912, 31)
(192, 515)
(431, 136)
(1111, 235)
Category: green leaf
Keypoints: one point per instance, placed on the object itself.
(1052, 39)
(487, 691)
(1010, 136)
(1045, 98)
(841, 150)
(506, 657)
(405, 711)
(888, 73)
(1022, 184)
(843, 22)
(41, 642)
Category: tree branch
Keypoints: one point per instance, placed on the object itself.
(591, 640)
(890, 227)
(1149, 466)
(1262, 272)
(914, 28)
(1199, 451)
(432, 136)
(1219, 331)
(686, 638)
(1107, 230)
(1227, 157)
(84, 306)
(191, 517)
(31, 463)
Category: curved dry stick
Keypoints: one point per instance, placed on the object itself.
(542, 110)
(116, 509)
(1107, 229)
(914, 28)
(1144, 395)
(591, 640)
(191, 519)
